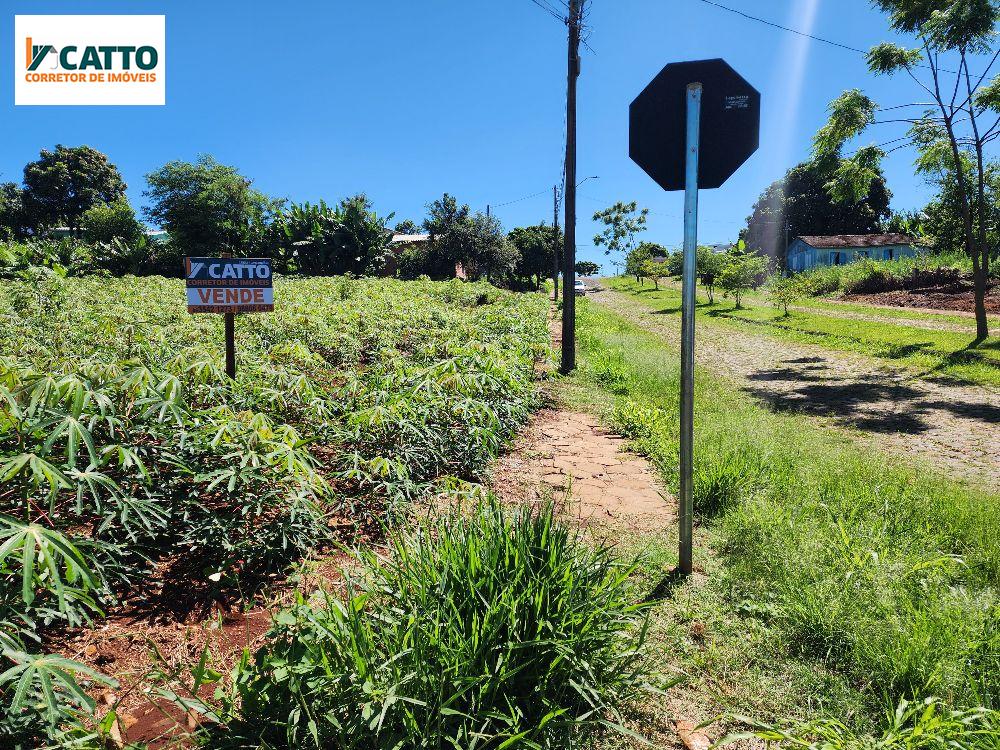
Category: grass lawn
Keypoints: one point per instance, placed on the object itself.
(937, 353)
(835, 581)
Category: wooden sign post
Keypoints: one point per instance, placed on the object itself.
(229, 286)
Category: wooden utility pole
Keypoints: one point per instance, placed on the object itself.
(569, 237)
(555, 243)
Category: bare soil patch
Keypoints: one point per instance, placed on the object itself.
(570, 457)
(957, 296)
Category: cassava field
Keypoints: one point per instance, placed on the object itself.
(134, 474)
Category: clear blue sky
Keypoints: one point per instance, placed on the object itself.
(406, 100)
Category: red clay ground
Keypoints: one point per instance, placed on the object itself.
(953, 297)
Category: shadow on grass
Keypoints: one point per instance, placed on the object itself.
(666, 587)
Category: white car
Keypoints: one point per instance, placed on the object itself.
(579, 288)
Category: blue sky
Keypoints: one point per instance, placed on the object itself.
(405, 100)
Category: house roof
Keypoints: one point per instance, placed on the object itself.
(408, 238)
(858, 240)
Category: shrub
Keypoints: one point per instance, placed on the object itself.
(740, 273)
(486, 630)
(783, 291)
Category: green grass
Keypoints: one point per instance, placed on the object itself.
(949, 354)
(490, 628)
(840, 581)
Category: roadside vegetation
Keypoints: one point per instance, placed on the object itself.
(841, 584)
(929, 352)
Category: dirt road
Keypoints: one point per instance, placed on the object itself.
(956, 427)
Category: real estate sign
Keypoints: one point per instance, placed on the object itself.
(229, 285)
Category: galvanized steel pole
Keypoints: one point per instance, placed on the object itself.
(688, 302)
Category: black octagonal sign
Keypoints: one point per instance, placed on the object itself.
(730, 123)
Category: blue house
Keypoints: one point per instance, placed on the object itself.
(839, 249)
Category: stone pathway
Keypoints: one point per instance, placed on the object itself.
(955, 427)
(570, 457)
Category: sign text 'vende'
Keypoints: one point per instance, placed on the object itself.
(229, 285)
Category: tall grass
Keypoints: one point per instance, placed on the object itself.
(868, 275)
(885, 572)
(487, 630)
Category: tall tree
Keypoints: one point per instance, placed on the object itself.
(64, 183)
(622, 224)
(955, 47)
(14, 221)
(475, 241)
(206, 207)
(799, 203)
(535, 246)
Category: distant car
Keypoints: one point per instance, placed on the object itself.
(580, 288)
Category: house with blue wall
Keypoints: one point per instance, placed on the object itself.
(839, 249)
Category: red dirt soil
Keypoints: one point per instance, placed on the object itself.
(957, 297)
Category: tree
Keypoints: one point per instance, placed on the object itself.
(740, 272)
(587, 268)
(709, 266)
(14, 221)
(800, 204)
(206, 207)
(534, 246)
(639, 255)
(783, 291)
(474, 241)
(107, 222)
(406, 226)
(63, 184)
(622, 223)
(655, 270)
(950, 134)
(941, 219)
(321, 240)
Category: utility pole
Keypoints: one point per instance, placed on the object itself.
(555, 243)
(569, 237)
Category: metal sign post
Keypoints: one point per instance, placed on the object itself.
(691, 128)
(688, 302)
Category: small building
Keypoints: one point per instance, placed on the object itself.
(840, 249)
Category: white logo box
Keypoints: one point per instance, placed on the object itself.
(83, 83)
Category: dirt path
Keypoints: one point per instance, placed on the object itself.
(952, 426)
(570, 457)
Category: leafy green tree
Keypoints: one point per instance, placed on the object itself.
(800, 204)
(206, 207)
(639, 255)
(106, 222)
(783, 291)
(474, 241)
(587, 268)
(14, 221)
(740, 272)
(709, 266)
(654, 270)
(62, 184)
(941, 220)
(535, 247)
(320, 240)
(623, 222)
(407, 226)
(951, 134)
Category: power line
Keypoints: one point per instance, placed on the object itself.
(549, 9)
(784, 28)
(523, 198)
